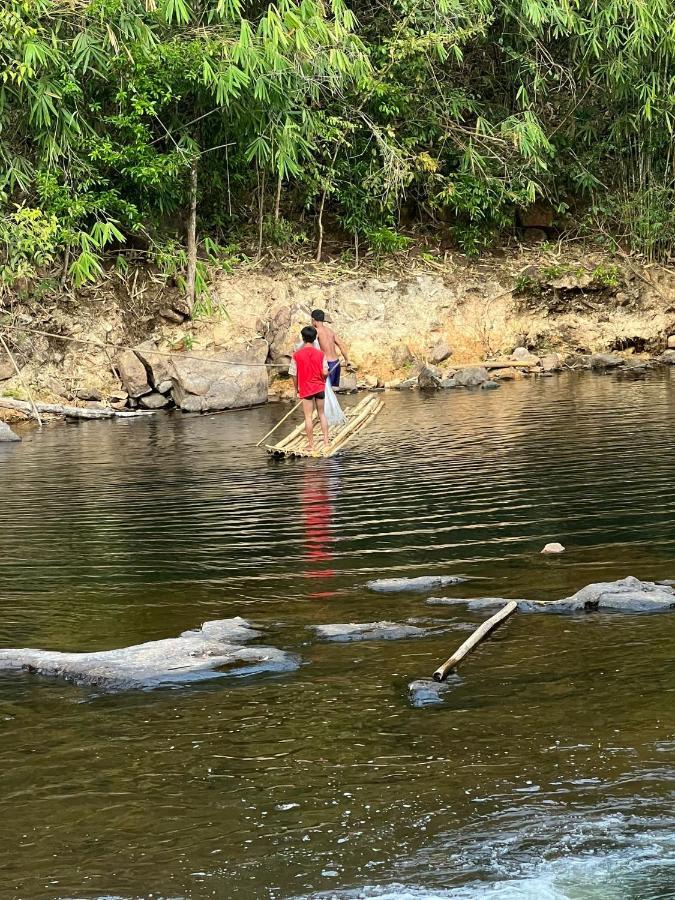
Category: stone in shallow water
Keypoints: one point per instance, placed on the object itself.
(212, 651)
(6, 433)
(427, 692)
(369, 631)
(625, 595)
(422, 583)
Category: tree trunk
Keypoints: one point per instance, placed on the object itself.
(356, 249)
(278, 200)
(192, 240)
(261, 210)
(319, 244)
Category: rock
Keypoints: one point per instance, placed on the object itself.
(85, 394)
(7, 370)
(402, 356)
(119, 405)
(211, 652)
(159, 366)
(427, 692)
(429, 378)
(153, 401)
(671, 342)
(408, 383)
(626, 595)
(439, 353)
(7, 435)
(117, 395)
(471, 602)
(448, 383)
(230, 380)
(668, 357)
(506, 374)
(489, 385)
(471, 376)
(348, 383)
(422, 583)
(369, 631)
(553, 548)
(371, 381)
(393, 385)
(552, 362)
(523, 355)
(172, 316)
(606, 361)
(133, 374)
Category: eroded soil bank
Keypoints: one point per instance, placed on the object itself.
(396, 317)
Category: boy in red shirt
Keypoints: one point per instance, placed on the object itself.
(309, 379)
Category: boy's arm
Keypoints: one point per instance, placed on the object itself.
(295, 384)
(324, 367)
(342, 347)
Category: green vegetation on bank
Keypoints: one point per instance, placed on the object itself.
(130, 126)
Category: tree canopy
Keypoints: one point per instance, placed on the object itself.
(445, 113)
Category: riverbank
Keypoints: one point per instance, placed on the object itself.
(131, 346)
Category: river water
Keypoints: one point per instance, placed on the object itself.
(548, 771)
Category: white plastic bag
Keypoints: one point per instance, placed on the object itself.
(334, 414)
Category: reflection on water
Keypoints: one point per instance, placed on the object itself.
(547, 772)
(318, 488)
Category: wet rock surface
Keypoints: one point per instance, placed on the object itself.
(625, 595)
(213, 651)
(427, 692)
(369, 631)
(421, 583)
(7, 435)
(471, 376)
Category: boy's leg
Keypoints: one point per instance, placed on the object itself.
(323, 421)
(308, 410)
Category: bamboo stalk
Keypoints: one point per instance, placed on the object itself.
(478, 635)
(23, 383)
(280, 422)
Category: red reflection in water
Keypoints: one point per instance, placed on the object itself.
(317, 518)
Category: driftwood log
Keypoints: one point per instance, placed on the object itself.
(478, 635)
(72, 412)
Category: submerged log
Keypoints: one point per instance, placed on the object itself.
(479, 635)
(73, 412)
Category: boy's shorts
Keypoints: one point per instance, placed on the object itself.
(334, 370)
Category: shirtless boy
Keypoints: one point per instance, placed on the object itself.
(309, 378)
(330, 343)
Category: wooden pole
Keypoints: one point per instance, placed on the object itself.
(479, 635)
(27, 389)
(280, 422)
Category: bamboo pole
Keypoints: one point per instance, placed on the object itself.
(478, 635)
(280, 422)
(23, 383)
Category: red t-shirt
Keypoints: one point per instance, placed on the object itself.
(309, 363)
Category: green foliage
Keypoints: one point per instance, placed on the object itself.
(459, 113)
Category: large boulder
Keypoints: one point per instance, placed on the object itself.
(668, 357)
(212, 651)
(421, 583)
(228, 380)
(427, 692)
(552, 362)
(7, 370)
(471, 376)
(6, 434)
(158, 365)
(133, 374)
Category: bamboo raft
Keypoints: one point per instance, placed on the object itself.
(295, 443)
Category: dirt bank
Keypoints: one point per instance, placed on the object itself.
(394, 316)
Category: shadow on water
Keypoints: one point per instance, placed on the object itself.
(546, 772)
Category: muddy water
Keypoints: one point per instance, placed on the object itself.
(548, 771)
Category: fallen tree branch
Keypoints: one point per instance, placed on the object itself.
(72, 412)
(478, 635)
